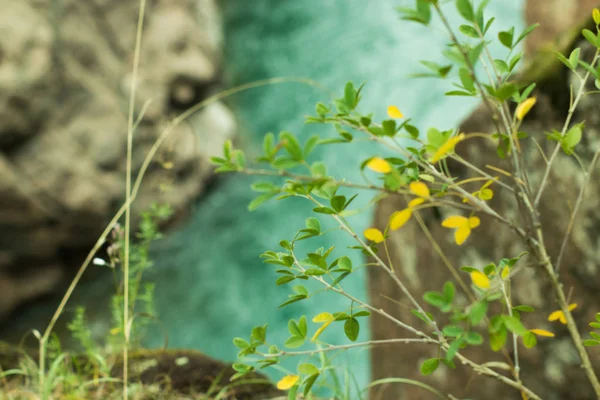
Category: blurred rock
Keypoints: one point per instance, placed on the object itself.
(552, 369)
(65, 75)
(555, 18)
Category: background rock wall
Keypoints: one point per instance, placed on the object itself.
(65, 75)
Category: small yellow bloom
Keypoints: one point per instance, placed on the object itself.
(505, 272)
(524, 107)
(374, 234)
(325, 318)
(480, 280)
(596, 16)
(378, 164)
(287, 382)
(559, 315)
(416, 202)
(542, 332)
(394, 112)
(447, 147)
(399, 218)
(462, 225)
(419, 188)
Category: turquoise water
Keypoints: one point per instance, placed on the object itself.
(211, 285)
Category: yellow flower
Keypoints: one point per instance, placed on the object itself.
(374, 235)
(480, 280)
(287, 382)
(596, 16)
(447, 147)
(394, 112)
(559, 315)
(419, 188)
(483, 193)
(524, 107)
(541, 332)
(399, 218)
(378, 164)
(325, 318)
(463, 226)
(505, 272)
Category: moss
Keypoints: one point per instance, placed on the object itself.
(165, 373)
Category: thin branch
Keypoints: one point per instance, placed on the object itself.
(563, 132)
(349, 346)
(588, 176)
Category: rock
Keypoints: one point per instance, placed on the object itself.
(65, 74)
(552, 369)
(555, 18)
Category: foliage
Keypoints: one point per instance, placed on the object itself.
(418, 171)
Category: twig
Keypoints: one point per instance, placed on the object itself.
(588, 176)
(572, 109)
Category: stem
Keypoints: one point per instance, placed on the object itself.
(586, 182)
(349, 346)
(136, 62)
(563, 132)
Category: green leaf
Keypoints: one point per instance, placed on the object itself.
(308, 384)
(299, 289)
(351, 329)
(590, 36)
(453, 349)
(572, 137)
(429, 366)
(468, 31)
(345, 264)
(449, 291)
(453, 330)
(227, 148)
(308, 369)
(241, 343)
(574, 58)
(259, 334)
(466, 79)
(478, 312)
(506, 37)
(466, 10)
(436, 299)
(498, 339)
(338, 202)
(474, 338)
(302, 326)
(294, 342)
(523, 308)
(514, 325)
(422, 317)
(291, 144)
(313, 223)
(310, 145)
(526, 32)
(284, 279)
(564, 60)
(590, 342)
(529, 340)
(363, 313)
(324, 210)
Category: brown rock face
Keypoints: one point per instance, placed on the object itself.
(65, 74)
(554, 17)
(552, 369)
